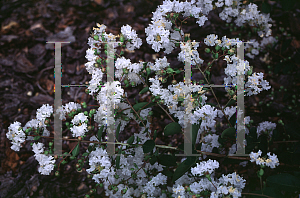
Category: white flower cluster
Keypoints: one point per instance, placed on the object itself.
(128, 33)
(155, 181)
(79, 120)
(133, 70)
(209, 142)
(255, 46)
(46, 162)
(255, 80)
(204, 167)
(266, 127)
(231, 184)
(247, 14)
(158, 33)
(67, 108)
(16, 132)
(193, 53)
(108, 97)
(100, 163)
(16, 135)
(160, 64)
(171, 100)
(272, 162)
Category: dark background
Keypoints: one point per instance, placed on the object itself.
(27, 81)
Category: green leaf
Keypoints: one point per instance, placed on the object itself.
(118, 159)
(263, 145)
(284, 182)
(230, 132)
(144, 90)
(148, 146)
(153, 160)
(211, 104)
(269, 191)
(195, 128)
(232, 120)
(130, 140)
(155, 135)
(250, 144)
(172, 128)
(167, 172)
(75, 151)
(184, 167)
(231, 102)
(176, 29)
(85, 154)
(99, 134)
(140, 105)
(36, 137)
(167, 160)
(90, 148)
(118, 131)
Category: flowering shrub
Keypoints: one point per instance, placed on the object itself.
(143, 169)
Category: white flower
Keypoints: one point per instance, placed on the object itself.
(266, 127)
(45, 111)
(79, 118)
(254, 82)
(16, 135)
(38, 148)
(210, 40)
(46, 163)
(203, 167)
(79, 130)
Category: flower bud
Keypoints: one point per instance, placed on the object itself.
(170, 70)
(79, 138)
(174, 82)
(164, 80)
(207, 50)
(148, 70)
(121, 38)
(57, 173)
(161, 102)
(46, 122)
(125, 71)
(261, 172)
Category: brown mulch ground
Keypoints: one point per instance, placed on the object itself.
(27, 80)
